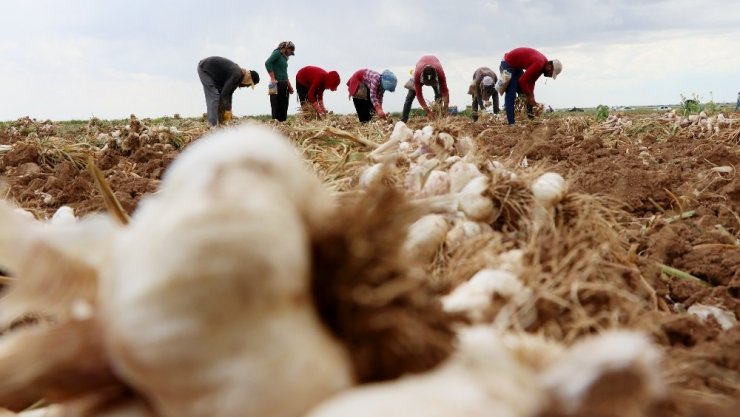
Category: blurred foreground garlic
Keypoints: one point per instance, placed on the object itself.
(479, 379)
(55, 263)
(206, 302)
(518, 375)
(614, 374)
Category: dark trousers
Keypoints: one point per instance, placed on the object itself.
(279, 102)
(478, 104)
(302, 93)
(213, 96)
(411, 96)
(511, 92)
(365, 109)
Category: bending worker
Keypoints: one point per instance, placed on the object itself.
(520, 69)
(482, 89)
(366, 87)
(310, 83)
(220, 77)
(429, 72)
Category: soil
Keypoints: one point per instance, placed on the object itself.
(680, 203)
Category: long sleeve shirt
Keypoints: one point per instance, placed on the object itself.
(226, 76)
(313, 78)
(372, 80)
(477, 89)
(533, 63)
(441, 78)
(277, 63)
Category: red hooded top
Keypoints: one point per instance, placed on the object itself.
(432, 61)
(532, 62)
(316, 80)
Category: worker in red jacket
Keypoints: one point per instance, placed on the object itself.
(310, 84)
(522, 67)
(429, 72)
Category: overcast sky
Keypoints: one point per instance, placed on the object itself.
(74, 59)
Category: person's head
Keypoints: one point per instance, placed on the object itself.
(250, 78)
(487, 84)
(553, 68)
(388, 81)
(286, 48)
(332, 80)
(429, 75)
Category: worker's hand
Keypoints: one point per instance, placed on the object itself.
(290, 88)
(530, 101)
(228, 116)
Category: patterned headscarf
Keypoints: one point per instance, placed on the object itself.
(287, 45)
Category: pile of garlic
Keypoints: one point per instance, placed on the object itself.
(614, 124)
(136, 134)
(201, 306)
(444, 178)
(706, 124)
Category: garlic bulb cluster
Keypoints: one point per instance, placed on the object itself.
(136, 134)
(427, 152)
(454, 185)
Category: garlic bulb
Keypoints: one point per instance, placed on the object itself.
(474, 200)
(476, 294)
(426, 133)
(371, 175)
(64, 215)
(401, 132)
(549, 189)
(725, 318)
(438, 183)
(426, 236)
(461, 173)
(463, 229)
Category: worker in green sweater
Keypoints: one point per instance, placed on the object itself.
(280, 88)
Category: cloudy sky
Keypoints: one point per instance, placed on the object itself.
(74, 59)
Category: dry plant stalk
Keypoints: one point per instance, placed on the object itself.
(111, 202)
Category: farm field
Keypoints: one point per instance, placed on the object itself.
(644, 235)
